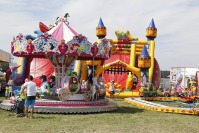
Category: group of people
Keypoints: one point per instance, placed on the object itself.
(28, 93)
(9, 88)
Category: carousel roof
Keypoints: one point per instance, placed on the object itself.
(62, 31)
(50, 44)
(46, 45)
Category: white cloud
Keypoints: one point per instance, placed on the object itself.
(176, 21)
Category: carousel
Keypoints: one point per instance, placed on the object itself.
(62, 46)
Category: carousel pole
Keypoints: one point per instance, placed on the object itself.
(35, 71)
(62, 67)
(93, 66)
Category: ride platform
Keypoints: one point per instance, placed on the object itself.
(67, 107)
(146, 104)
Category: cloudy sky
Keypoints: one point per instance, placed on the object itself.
(177, 21)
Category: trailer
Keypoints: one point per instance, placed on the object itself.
(181, 76)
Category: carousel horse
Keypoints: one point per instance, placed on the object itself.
(62, 19)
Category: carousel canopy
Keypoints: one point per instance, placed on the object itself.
(62, 31)
(46, 45)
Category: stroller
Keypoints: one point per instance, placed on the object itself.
(18, 107)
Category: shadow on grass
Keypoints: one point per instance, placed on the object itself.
(130, 110)
(43, 116)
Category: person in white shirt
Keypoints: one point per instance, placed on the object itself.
(30, 87)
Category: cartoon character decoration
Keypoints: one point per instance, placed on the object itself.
(18, 44)
(94, 49)
(84, 86)
(63, 47)
(30, 47)
(20, 37)
(45, 43)
(144, 78)
(79, 45)
(103, 48)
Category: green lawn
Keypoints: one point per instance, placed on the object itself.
(127, 119)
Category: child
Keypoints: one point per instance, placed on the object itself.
(6, 91)
(95, 81)
(23, 93)
(10, 84)
(111, 88)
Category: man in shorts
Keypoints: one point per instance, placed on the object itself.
(30, 87)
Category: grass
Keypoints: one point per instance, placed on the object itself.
(127, 119)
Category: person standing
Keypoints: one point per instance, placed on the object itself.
(30, 87)
(134, 82)
(6, 91)
(112, 89)
(10, 87)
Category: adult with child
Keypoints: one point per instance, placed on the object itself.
(30, 87)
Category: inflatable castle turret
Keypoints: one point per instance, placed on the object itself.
(144, 60)
(101, 34)
(151, 31)
(101, 30)
(144, 63)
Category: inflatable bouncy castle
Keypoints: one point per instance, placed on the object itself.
(132, 64)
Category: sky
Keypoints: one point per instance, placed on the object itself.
(177, 23)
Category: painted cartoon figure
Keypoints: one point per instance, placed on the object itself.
(84, 86)
(30, 47)
(143, 79)
(63, 47)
